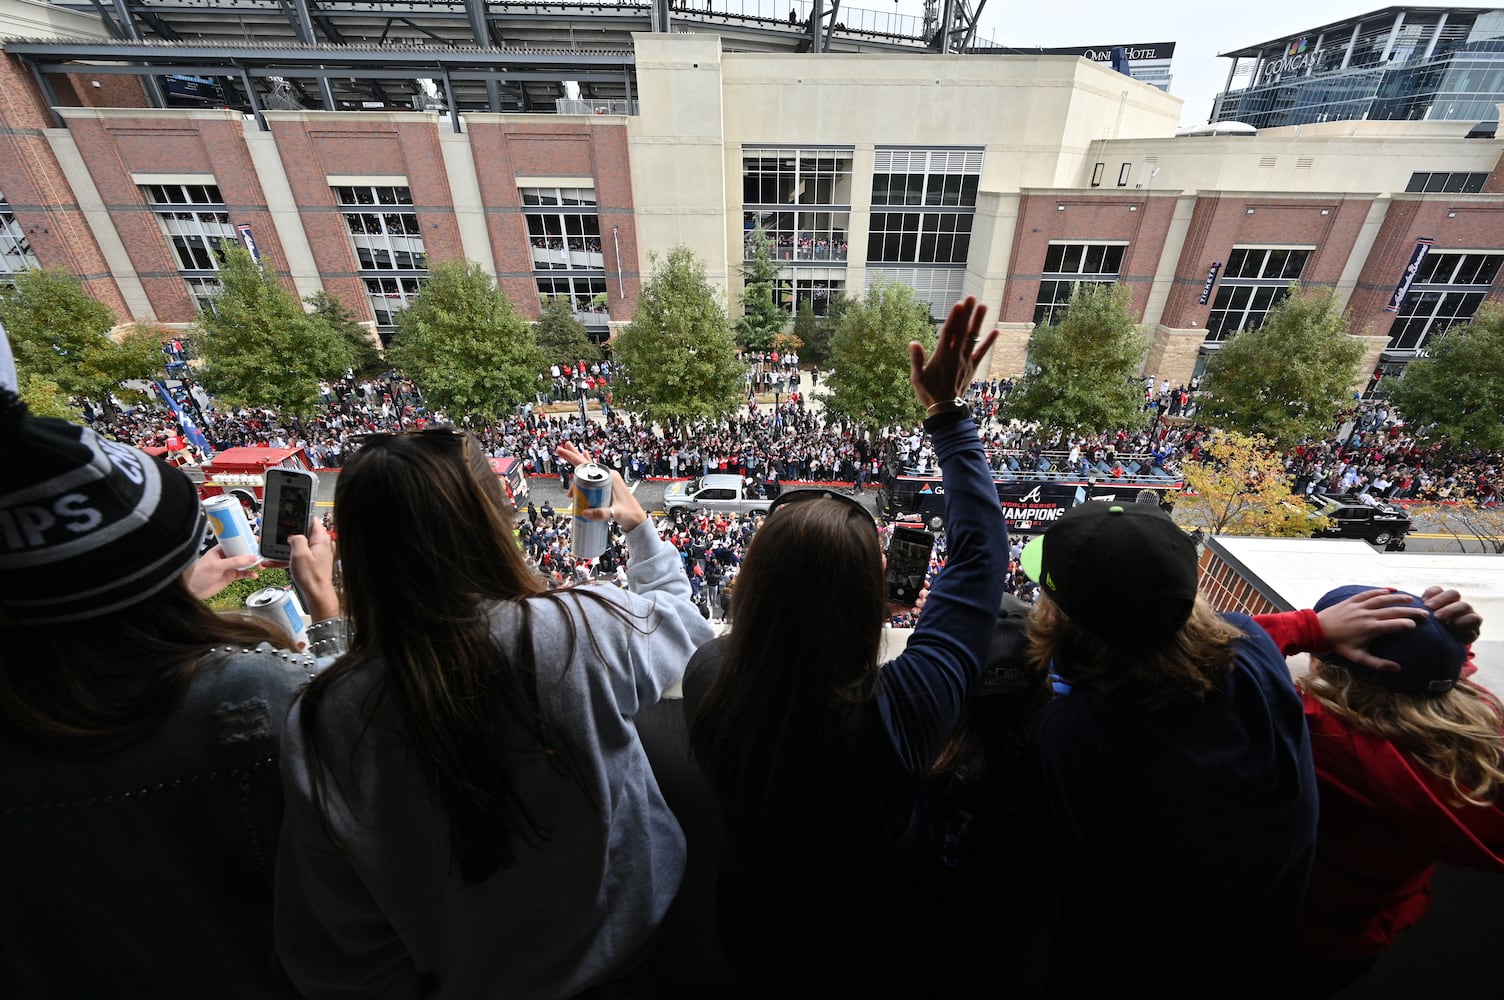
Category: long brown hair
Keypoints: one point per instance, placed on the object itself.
(426, 548)
(119, 674)
(1455, 736)
(808, 607)
(1185, 666)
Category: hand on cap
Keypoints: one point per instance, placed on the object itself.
(1455, 613)
(1350, 625)
(214, 571)
(312, 569)
(958, 350)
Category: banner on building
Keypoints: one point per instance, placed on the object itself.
(244, 229)
(1211, 281)
(1422, 247)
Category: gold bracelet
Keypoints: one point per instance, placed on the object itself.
(956, 404)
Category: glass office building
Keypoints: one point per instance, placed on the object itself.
(1404, 63)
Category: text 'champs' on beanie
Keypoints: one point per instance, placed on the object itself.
(87, 525)
(1097, 542)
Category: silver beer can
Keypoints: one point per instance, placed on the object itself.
(228, 522)
(591, 489)
(280, 606)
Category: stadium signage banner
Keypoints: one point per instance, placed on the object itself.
(1211, 280)
(1422, 247)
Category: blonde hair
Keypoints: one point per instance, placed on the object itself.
(1455, 736)
(1185, 666)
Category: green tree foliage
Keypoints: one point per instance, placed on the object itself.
(561, 337)
(44, 399)
(678, 355)
(806, 330)
(1288, 379)
(1457, 394)
(464, 342)
(869, 382)
(61, 336)
(1084, 368)
(763, 318)
(259, 347)
(365, 359)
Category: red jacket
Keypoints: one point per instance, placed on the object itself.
(1386, 822)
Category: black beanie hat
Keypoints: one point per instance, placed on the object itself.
(87, 525)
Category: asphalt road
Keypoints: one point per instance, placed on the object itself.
(649, 493)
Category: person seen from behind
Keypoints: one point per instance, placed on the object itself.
(815, 752)
(139, 729)
(1172, 768)
(470, 811)
(1410, 763)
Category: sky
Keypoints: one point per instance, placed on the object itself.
(1199, 30)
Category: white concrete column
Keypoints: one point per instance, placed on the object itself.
(469, 208)
(287, 220)
(1169, 261)
(1358, 256)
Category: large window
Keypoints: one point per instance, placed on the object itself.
(389, 252)
(15, 249)
(197, 227)
(564, 233)
(919, 237)
(774, 177)
(1431, 183)
(1448, 289)
(1067, 266)
(917, 178)
(1255, 280)
(801, 200)
(815, 285)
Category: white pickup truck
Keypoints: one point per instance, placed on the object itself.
(722, 493)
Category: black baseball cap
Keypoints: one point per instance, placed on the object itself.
(1430, 657)
(1117, 570)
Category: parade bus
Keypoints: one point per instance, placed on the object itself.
(1031, 501)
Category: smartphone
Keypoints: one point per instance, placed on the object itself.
(908, 562)
(287, 511)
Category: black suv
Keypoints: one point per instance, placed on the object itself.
(1349, 517)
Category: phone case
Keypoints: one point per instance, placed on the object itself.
(288, 511)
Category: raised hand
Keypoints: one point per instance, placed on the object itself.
(959, 349)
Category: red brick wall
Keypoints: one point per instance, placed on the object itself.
(1454, 225)
(39, 193)
(115, 90)
(1219, 223)
(312, 151)
(115, 148)
(1495, 182)
(1137, 218)
(504, 152)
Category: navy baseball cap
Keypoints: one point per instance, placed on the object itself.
(1429, 655)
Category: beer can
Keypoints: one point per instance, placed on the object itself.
(591, 489)
(228, 521)
(280, 605)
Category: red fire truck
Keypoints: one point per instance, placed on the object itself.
(241, 472)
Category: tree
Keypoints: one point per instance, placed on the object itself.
(869, 381)
(60, 337)
(365, 359)
(259, 347)
(1240, 487)
(678, 355)
(44, 399)
(1457, 394)
(806, 330)
(1289, 378)
(1083, 372)
(1466, 520)
(561, 337)
(763, 316)
(466, 345)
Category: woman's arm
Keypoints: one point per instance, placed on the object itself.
(923, 690)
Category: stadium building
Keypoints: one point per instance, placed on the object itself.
(561, 145)
(1397, 63)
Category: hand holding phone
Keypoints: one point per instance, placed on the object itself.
(908, 563)
(288, 510)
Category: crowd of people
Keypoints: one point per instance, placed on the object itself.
(478, 782)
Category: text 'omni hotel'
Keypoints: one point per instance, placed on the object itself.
(560, 146)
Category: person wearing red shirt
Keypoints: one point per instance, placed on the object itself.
(1410, 765)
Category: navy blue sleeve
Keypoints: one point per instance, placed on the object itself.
(921, 693)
